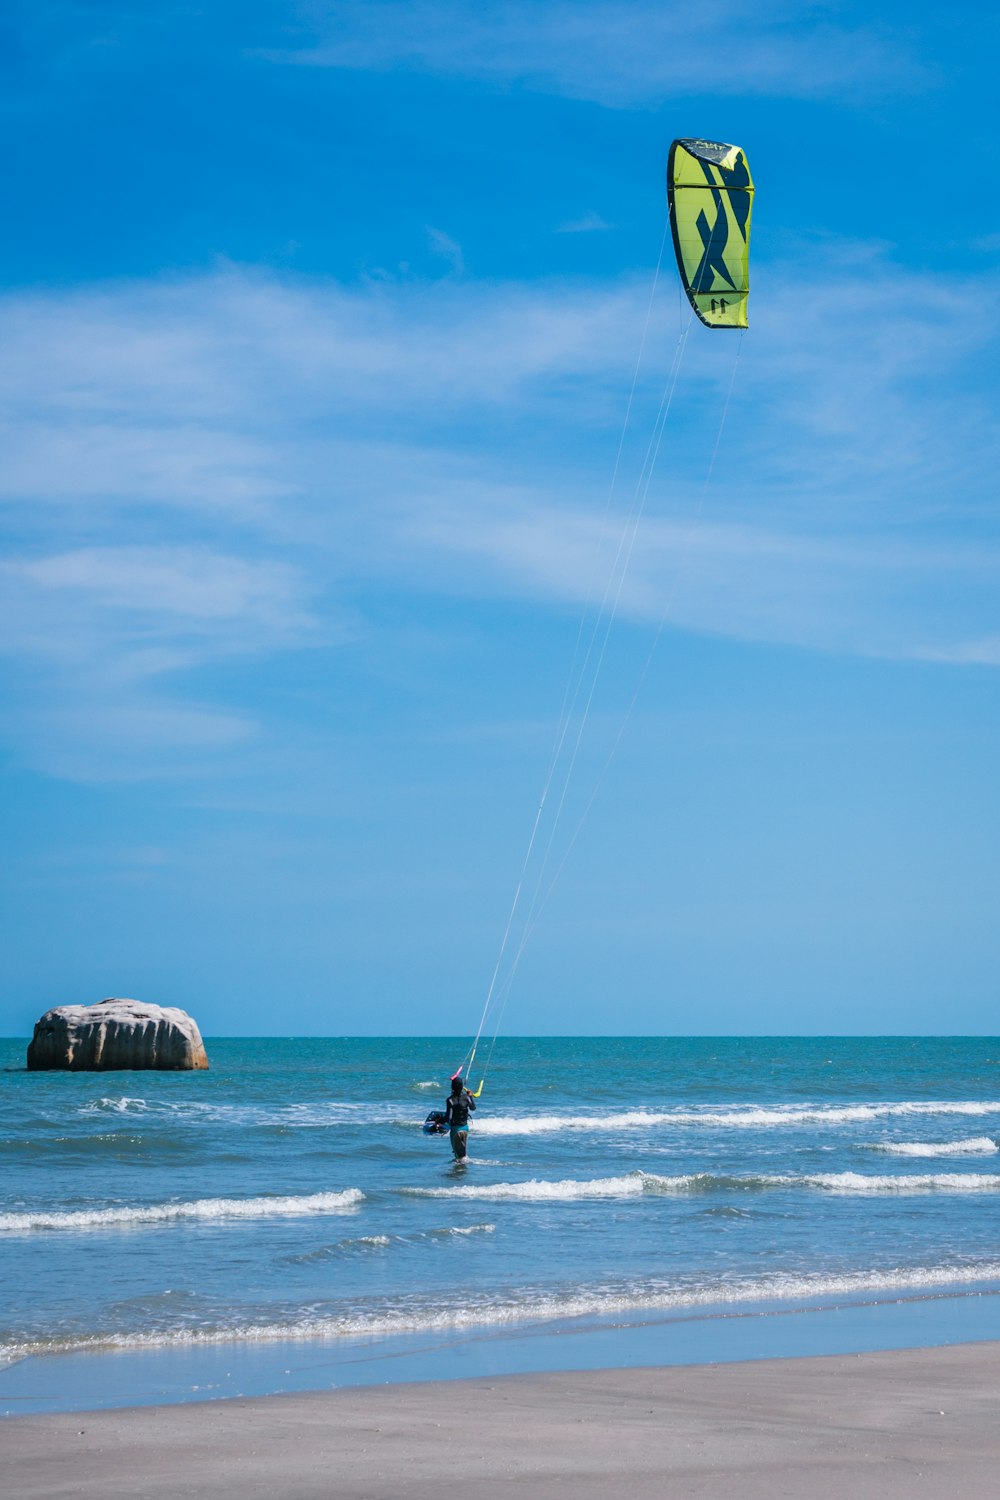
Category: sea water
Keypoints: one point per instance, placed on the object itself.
(289, 1193)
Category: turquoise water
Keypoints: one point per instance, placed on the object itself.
(289, 1193)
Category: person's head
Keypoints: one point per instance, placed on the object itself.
(457, 1085)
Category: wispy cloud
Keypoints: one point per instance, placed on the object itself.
(214, 351)
(618, 54)
(102, 735)
(748, 582)
(185, 584)
(450, 250)
(216, 469)
(588, 223)
(980, 653)
(100, 637)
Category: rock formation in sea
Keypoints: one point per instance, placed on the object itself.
(116, 1034)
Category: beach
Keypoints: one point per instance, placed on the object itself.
(871, 1427)
(775, 1272)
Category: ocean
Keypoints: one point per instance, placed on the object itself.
(288, 1196)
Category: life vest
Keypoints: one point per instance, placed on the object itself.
(457, 1109)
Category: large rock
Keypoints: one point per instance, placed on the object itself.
(116, 1034)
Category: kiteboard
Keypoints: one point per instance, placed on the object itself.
(435, 1123)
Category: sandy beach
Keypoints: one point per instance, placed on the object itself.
(869, 1427)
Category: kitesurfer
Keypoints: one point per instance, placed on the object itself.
(456, 1115)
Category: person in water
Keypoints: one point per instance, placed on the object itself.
(456, 1117)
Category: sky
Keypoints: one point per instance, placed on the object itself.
(333, 345)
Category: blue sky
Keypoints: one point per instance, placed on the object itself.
(319, 326)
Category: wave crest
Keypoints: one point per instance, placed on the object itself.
(499, 1312)
(634, 1184)
(977, 1145)
(199, 1208)
(741, 1117)
(123, 1105)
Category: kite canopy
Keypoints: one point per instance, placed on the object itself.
(710, 195)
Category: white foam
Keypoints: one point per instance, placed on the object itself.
(633, 1184)
(123, 1105)
(596, 1302)
(200, 1208)
(314, 1114)
(929, 1182)
(547, 1124)
(742, 1117)
(339, 1112)
(977, 1145)
(537, 1190)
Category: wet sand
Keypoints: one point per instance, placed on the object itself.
(901, 1423)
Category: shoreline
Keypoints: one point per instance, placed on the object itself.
(874, 1426)
(113, 1378)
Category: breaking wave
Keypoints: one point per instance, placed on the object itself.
(299, 1114)
(210, 1209)
(746, 1117)
(539, 1305)
(368, 1242)
(928, 1182)
(123, 1105)
(634, 1184)
(536, 1191)
(318, 1114)
(977, 1145)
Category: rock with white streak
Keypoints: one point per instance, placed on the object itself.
(116, 1034)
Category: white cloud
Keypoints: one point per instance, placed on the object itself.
(748, 582)
(101, 636)
(242, 357)
(588, 223)
(176, 581)
(219, 468)
(450, 250)
(63, 457)
(630, 52)
(137, 612)
(979, 653)
(100, 736)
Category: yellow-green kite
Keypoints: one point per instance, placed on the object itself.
(710, 195)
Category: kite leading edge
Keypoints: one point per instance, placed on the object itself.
(710, 198)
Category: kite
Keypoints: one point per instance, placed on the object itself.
(710, 197)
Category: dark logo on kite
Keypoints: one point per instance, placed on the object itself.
(737, 181)
(714, 237)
